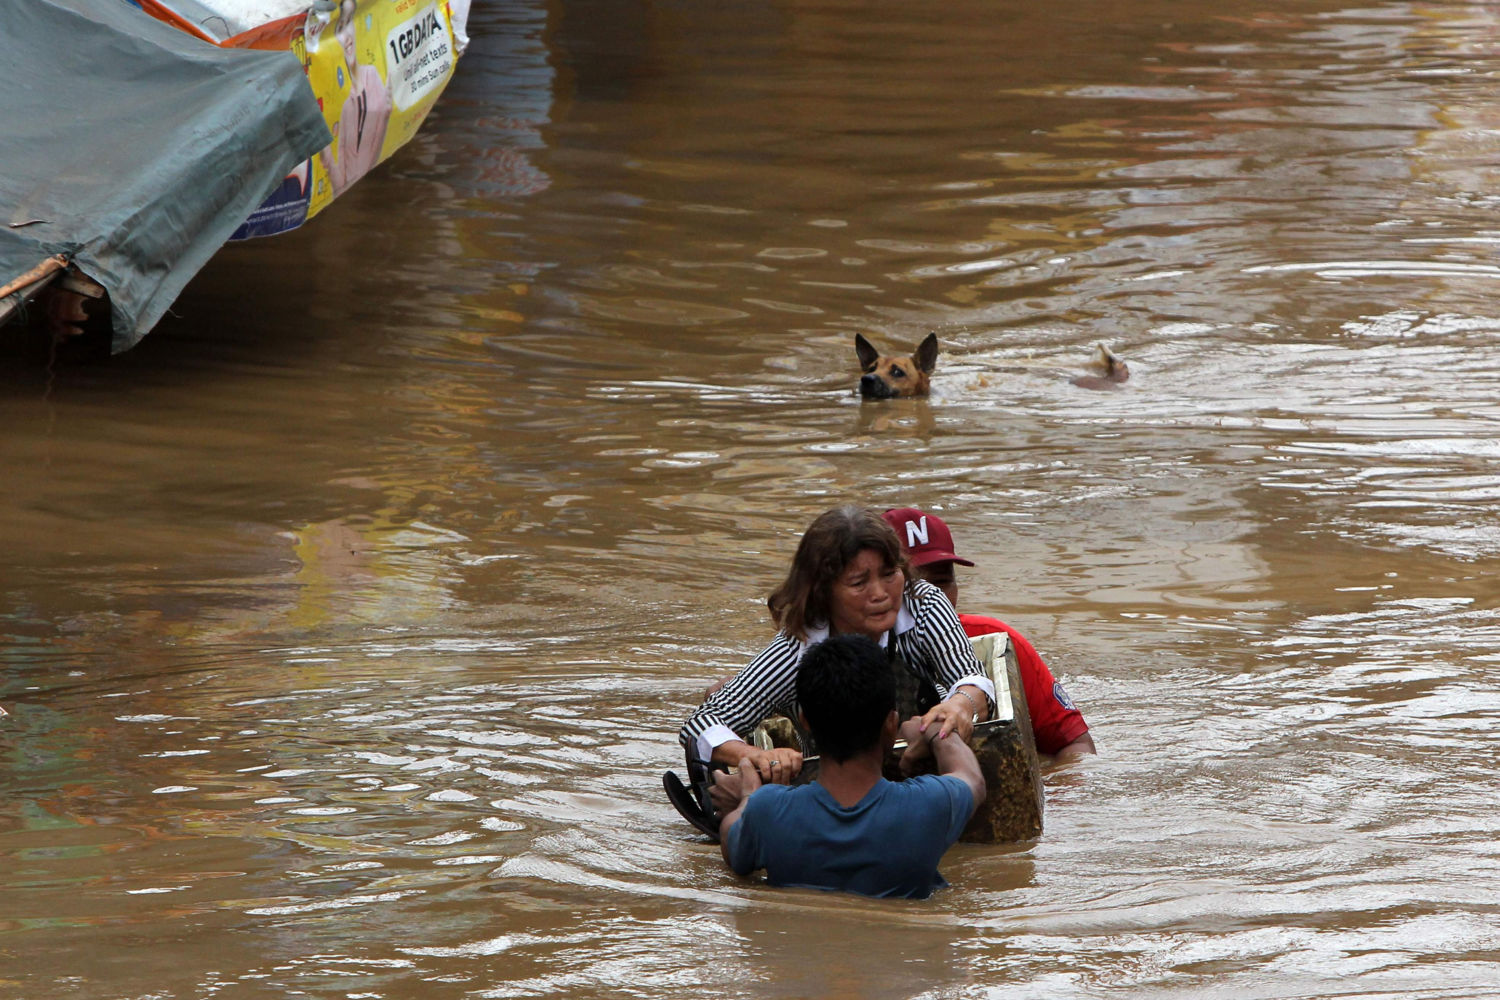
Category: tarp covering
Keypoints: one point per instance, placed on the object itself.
(136, 148)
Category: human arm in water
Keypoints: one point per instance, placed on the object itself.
(1078, 748)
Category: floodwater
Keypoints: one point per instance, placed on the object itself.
(348, 620)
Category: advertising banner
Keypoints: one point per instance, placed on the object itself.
(376, 68)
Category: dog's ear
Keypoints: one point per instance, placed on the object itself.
(926, 356)
(867, 354)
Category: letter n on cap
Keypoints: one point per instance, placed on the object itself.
(916, 532)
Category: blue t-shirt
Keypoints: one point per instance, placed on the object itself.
(887, 844)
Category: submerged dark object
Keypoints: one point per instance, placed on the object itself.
(133, 150)
(692, 804)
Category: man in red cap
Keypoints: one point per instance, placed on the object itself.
(1057, 724)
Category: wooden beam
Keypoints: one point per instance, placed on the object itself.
(43, 272)
(22, 289)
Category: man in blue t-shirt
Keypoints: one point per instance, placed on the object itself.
(852, 829)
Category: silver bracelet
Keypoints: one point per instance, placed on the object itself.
(972, 703)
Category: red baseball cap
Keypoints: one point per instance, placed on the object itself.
(924, 536)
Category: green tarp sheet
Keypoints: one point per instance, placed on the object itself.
(135, 148)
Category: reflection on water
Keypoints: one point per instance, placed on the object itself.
(349, 619)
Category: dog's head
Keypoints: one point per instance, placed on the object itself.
(895, 376)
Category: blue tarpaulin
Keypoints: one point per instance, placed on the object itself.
(136, 149)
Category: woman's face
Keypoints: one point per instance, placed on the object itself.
(345, 30)
(866, 596)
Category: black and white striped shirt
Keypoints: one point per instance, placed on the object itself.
(928, 637)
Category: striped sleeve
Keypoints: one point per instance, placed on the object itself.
(937, 645)
(765, 685)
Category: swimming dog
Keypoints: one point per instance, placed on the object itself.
(895, 376)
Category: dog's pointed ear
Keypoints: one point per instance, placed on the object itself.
(927, 352)
(867, 353)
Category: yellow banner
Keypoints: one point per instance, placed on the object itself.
(376, 68)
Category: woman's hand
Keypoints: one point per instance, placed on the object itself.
(775, 767)
(954, 716)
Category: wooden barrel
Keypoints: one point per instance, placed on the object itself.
(1004, 746)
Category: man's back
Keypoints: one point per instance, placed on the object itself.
(887, 844)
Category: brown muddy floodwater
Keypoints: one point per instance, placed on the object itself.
(348, 621)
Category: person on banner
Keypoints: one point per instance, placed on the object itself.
(1056, 722)
(852, 830)
(848, 576)
(359, 134)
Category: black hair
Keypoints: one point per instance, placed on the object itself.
(845, 688)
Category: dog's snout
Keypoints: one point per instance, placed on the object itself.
(873, 386)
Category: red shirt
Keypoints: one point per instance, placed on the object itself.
(1054, 720)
